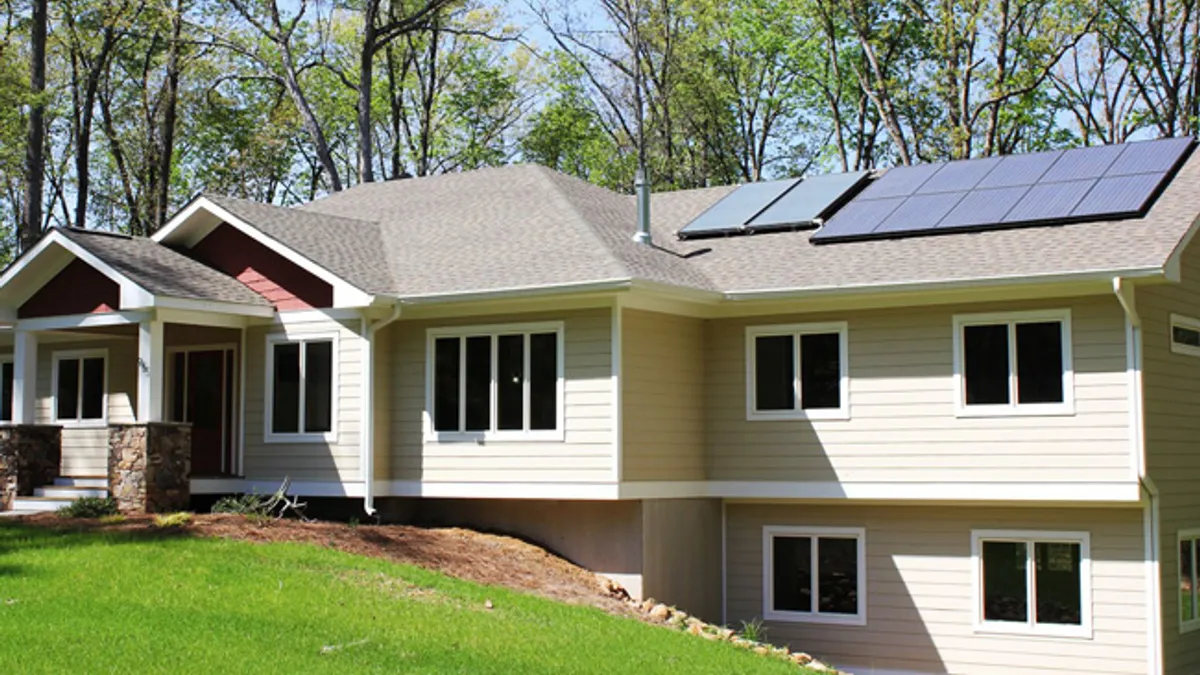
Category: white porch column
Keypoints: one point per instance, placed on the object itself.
(24, 376)
(151, 368)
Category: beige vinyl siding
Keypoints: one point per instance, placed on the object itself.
(382, 399)
(1171, 383)
(662, 397)
(902, 425)
(586, 454)
(920, 597)
(337, 461)
(85, 450)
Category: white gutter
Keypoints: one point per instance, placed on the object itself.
(367, 433)
(1152, 524)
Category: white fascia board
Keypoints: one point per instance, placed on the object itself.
(214, 307)
(345, 294)
(98, 320)
(480, 490)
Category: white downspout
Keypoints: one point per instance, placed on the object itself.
(1137, 441)
(369, 329)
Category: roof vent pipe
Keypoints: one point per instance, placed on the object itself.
(642, 188)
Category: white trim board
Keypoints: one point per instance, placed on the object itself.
(1112, 492)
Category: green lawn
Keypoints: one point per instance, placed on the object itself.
(106, 603)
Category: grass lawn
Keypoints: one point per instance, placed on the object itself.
(118, 602)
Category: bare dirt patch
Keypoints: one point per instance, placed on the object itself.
(465, 554)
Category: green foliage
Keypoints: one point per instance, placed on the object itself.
(89, 507)
(754, 630)
(243, 504)
(172, 520)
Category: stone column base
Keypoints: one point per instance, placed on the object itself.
(30, 457)
(149, 466)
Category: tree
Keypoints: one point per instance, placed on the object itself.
(35, 144)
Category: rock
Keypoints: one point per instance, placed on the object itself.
(487, 604)
(802, 659)
(660, 612)
(696, 629)
(682, 615)
(691, 620)
(762, 650)
(726, 633)
(818, 666)
(648, 604)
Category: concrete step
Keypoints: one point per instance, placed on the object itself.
(39, 504)
(82, 481)
(69, 491)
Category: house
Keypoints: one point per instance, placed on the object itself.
(938, 419)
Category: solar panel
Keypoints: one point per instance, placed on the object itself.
(1117, 181)
(731, 213)
(813, 198)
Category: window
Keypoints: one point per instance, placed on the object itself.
(300, 385)
(496, 382)
(1033, 582)
(796, 372)
(1189, 590)
(6, 390)
(79, 396)
(1014, 364)
(1185, 335)
(814, 574)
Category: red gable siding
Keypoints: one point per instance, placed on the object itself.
(78, 289)
(282, 282)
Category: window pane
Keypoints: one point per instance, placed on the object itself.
(1004, 587)
(93, 389)
(285, 390)
(774, 372)
(1187, 598)
(985, 358)
(479, 383)
(510, 382)
(67, 403)
(791, 568)
(445, 384)
(318, 387)
(1185, 336)
(543, 381)
(820, 371)
(6, 392)
(837, 575)
(1039, 362)
(1059, 594)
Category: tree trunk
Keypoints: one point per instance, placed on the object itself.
(35, 149)
(166, 136)
(366, 59)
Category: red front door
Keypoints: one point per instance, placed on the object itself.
(203, 395)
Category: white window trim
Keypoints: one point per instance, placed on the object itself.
(73, 355)
(770, 532)
(1183, 322)
(1194, 624)
(557, 434)
(1013, 408)
(842, 412)
(270, 436)
(1030, 627)
(8, 358)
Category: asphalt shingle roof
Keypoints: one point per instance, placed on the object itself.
(162, 271)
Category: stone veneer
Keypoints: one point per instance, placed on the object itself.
(30, 455)
(149, 466)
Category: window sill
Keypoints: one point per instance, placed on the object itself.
(813, 415)
(330, 437)
(554, 436)
(806, 617)
(1028, 410)
(1189, 626)
(1023, 630)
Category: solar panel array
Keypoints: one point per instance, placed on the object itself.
(790, 203)
(1112, 181)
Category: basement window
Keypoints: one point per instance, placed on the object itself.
(300, 386)
(1189, 580)
(814, 574)
(496, 382)
(1014, 363)
(1185, 335)
(796, 372)
(1033, 582)
(79, 396)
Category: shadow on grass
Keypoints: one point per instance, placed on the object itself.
(17, 535)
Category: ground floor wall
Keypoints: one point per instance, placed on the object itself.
(920, 594)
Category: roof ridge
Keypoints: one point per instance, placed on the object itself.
(100, 233)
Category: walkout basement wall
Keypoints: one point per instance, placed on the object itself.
(920, 600)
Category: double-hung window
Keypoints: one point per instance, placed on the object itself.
(79, 388)
(796, 372)
(496, 382)
(1014, 364)
(1033, 582)
(1185, 335)
(1189, 580)
(301, 379)
(814, 574)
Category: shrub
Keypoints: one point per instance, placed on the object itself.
(243, 504)
(754, 630)
(172, 520)
(115, 519)
(89, 507)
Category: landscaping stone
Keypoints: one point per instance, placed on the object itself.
(149, 466)
(30, 455)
